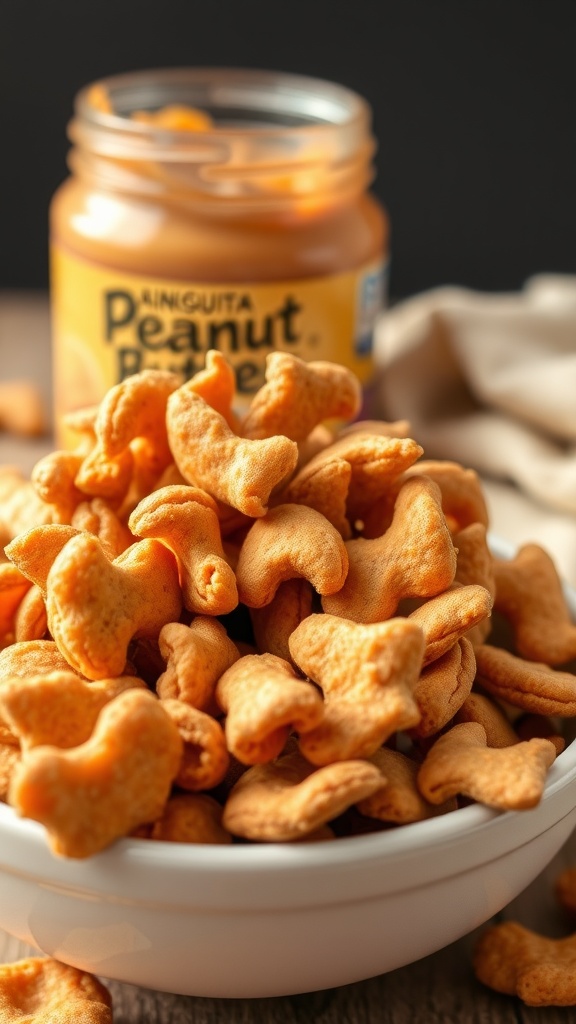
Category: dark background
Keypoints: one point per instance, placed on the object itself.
(474, 109)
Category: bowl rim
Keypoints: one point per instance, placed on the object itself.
(247, 876)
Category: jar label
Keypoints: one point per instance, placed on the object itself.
(108, 325)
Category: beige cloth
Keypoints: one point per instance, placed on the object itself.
(489, 380)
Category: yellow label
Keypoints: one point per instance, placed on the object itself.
(108, 325)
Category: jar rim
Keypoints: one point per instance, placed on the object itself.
(312, 102)
(281, 110)
(263, 125)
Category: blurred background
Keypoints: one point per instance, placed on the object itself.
(474, 108)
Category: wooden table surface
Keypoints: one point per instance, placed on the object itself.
(440, 988)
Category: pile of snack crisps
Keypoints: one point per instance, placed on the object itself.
(220, 628)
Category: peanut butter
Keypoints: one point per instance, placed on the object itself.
(213, 209)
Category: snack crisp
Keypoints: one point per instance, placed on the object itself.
(517, 961)
(186, 520)
(289, 603)
(43, 990)
(415, 557)
(263, 587)
(22, 409)
(274, 627)
(265, 701)
(119, 778)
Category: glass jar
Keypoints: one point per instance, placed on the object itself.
(253, 231)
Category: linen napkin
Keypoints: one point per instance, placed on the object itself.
(489, 380)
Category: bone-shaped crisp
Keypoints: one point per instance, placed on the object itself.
(475, 561)
(508, 778)
(475, 565)
(185, 519)
(298, 395)
(375, 461)
(290, 541)
(287, 799)
(191, 818)
(196, 656)
(517, 961)
(530, 595)
(216, 384)
(399, 799)
(131, 441)
(205, 757)
(463, 500)
(46, 991)
(90, 795)
(58, 708)
(30, 658)
(53, 478)
(443, 687)
(415, 557)
(449, 616)
(273, 624)
(346, 479)
(239, 472)
(33, 552)
(106, 476)
(318, 439)
(323, 485)
(367, 674)
(482, 709)
(95, 606)
(97, 517)
(136, 408)
(264, 701)
(532, 686)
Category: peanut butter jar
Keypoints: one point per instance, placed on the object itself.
(213, 208)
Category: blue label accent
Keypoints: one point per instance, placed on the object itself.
(371, 299)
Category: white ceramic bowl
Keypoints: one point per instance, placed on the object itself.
(267, 920)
